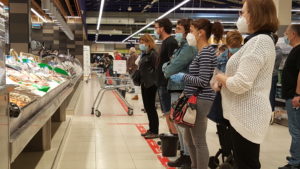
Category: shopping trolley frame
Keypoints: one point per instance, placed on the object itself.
(104, 88)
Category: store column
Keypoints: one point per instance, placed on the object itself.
(284, 14)
(20, 25)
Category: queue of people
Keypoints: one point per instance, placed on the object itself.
(243, 74)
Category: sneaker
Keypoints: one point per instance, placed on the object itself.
(147, 132)
(136, 97)
(151, 136)
(288, 166)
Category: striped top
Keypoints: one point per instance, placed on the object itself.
(200, 72)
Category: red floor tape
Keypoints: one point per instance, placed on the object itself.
(121, 101)
(155, 148)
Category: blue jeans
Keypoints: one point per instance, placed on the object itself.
(165, 99)
(180, 130)
(294, 128)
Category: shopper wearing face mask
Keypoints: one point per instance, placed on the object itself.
(180, 61)
(163, 30)
(147, 70)
(234, 42)
(197, 82)
(247, 82)
(291, 92)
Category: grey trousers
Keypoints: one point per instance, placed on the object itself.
(195, 137)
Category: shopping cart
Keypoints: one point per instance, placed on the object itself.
(94, 71)
(112, 84)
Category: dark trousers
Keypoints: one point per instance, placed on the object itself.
(149, 95)
(273, 91)
(245, 153)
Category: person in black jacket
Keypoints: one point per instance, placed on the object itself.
(147, 70)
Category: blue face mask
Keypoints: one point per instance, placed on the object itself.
(179, 37)
(156, 35)
(286, 40)
(143, 47)
(233, 50)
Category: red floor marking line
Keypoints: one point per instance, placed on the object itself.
(121, 101)
(127, 123)
(155, 148)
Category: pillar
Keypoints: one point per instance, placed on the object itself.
(284, 14)
(20, 25)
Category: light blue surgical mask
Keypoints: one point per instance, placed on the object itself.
(179, 37)
(143, 47)
(233, 50)
(156, 35)
(286, 40)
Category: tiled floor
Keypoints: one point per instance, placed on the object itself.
(113, 140)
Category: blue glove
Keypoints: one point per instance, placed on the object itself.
(177, 77)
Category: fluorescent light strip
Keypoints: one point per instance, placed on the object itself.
(220, 9)
(210, 9)
(38, 15)
(162, 16)
(100, 14)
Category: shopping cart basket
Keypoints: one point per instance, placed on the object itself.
(95, 71)
(111, 84)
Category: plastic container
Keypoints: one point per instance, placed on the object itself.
(169, 144)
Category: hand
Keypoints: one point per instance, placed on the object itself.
(296, 101)
(177, 77)
(216, 86)
(221, 78)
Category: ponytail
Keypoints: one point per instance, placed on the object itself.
(217, 31)
(215, 28)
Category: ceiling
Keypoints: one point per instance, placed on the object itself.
(121, 18)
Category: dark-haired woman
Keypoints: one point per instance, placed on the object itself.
(197, 82)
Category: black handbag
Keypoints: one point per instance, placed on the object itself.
(216, 111)
(136, 78)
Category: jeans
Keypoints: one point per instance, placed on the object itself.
(165, 99)
(180, 129)
(245, 153)
(273, 91)
(294, 128)
(148, 95)
(195, 137)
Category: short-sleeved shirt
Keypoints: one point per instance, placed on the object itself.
(167, 49)
(290, 73)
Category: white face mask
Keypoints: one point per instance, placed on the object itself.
(191, 39)
(242, 25)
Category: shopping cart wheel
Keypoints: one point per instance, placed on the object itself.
(213, 162)
(130, 112)
(98, 113)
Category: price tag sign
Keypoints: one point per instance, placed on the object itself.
(119, 66)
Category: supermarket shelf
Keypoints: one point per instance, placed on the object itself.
(37, 117)
(22, 136)
(279, 85)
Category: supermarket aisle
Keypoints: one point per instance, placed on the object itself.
(113, 141)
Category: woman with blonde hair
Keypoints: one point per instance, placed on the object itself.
(147, 69)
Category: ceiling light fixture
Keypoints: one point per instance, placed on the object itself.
(220, 9)
(99, 18)
(162, 16)
(38, 15)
